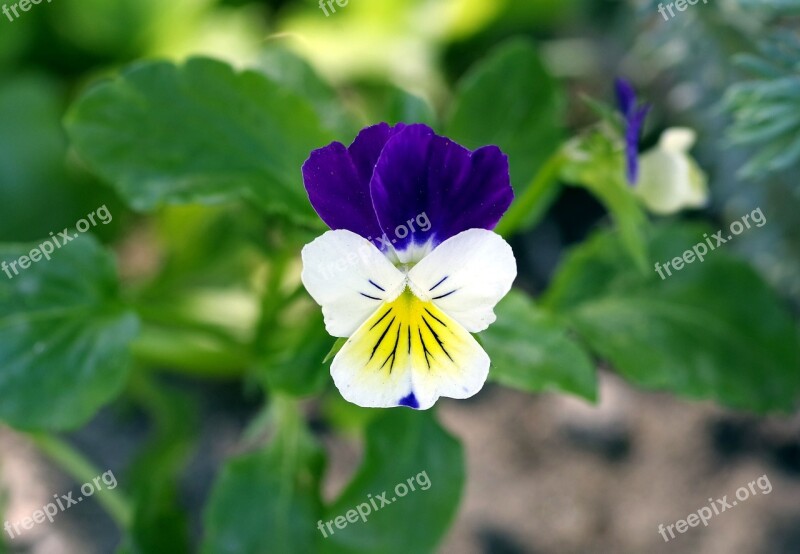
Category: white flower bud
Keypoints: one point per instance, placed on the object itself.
(670, 179)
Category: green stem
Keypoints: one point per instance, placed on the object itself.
(83, 471)
(272, 300)
(533, 202)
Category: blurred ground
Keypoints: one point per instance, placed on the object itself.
(546, 474)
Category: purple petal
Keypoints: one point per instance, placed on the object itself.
(427, 188)
(633, 133)
(367, 148)
(626, 96)
(634, 121)
(337, 181)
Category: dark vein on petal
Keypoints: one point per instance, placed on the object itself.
(381, 319)
(436, 318)
(393, 355)
(444, 295)
(438, 340)
(439, 283)
(368, 296)
(424, 348)
(376, 285)
(380, 340)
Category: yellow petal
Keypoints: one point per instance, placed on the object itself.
(410, 353)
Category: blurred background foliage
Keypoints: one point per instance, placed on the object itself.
(198, 161)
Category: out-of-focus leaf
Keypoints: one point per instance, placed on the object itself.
(160, 524)
(294, 363)
(268, 502)
(403, 447)
(344, 417)
(199, 132)
(290, 70)
(510, 100)
(64, 336)
(125, 28)
(531, 351)
(13, 41)
(712, 330)
(394, 105)
(33, 198)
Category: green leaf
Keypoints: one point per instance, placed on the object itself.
(63, 336)
(159, 522)
(532, 351)
(404, 107)
(31, 157)
(36, 192)
(403, 447)
(200, 132)
(290, 70)
(343, 417)
(386, 102)
(340, 342)
(268, 501)
(293, 363)
(116, 30)
(713, 330)
(510, 100)
(15, 40)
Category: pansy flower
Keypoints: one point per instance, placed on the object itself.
(634, 115)
(411, 266)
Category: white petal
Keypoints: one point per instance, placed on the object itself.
(349, 277)
(677, 139)
(409, 353)
(669, 181)
(466, 276)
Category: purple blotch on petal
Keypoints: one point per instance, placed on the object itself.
(409, 401)
(421, 173)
